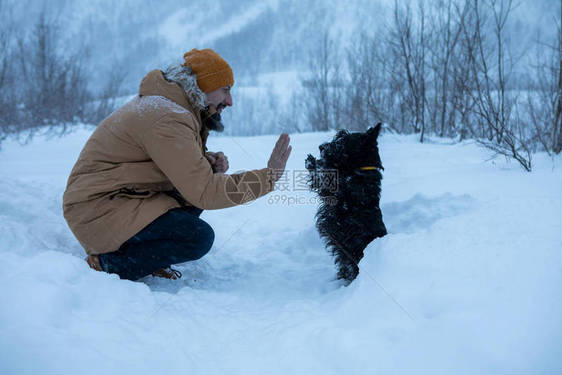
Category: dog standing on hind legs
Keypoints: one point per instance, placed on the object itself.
(347, 177)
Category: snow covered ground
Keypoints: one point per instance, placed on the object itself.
(468, 280)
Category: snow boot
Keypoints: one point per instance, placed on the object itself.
(94, 262)
(167, 273)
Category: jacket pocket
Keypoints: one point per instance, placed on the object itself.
(132, 193)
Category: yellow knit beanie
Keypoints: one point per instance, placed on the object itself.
(211, 69)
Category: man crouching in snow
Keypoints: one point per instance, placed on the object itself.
(134, 196)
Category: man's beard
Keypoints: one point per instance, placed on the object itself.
(212, 118)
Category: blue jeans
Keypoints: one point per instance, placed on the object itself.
(177, 236)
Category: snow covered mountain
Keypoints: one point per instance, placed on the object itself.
(466, 282)
(131, 38)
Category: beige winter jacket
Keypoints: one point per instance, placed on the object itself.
(148, 148)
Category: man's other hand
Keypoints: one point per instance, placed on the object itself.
(218, 161)
(280, 155)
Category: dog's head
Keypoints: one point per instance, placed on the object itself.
(350, 152)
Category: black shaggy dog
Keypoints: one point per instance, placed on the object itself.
(347, 177)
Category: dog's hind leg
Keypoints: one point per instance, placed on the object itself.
(345, 258)
(348, 269)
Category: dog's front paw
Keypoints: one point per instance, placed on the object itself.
(310, 163)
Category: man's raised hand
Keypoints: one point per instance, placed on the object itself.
(280, 155)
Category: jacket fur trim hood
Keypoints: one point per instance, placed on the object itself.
(185, 93)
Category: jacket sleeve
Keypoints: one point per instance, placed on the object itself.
(173, 145)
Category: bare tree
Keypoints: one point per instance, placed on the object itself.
(557, 128)
(446, 22)
(408, 47)
(495, 109)
(105, 102)
(55, 90)
(291, 118)
(323, 85)
(420, 67)
(8, 101)
(368, 99)
(543, 100)
(53, 87)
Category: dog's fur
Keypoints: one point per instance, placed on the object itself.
(349, 217)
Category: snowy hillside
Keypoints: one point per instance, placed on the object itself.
(129, 38)
(468, 280)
